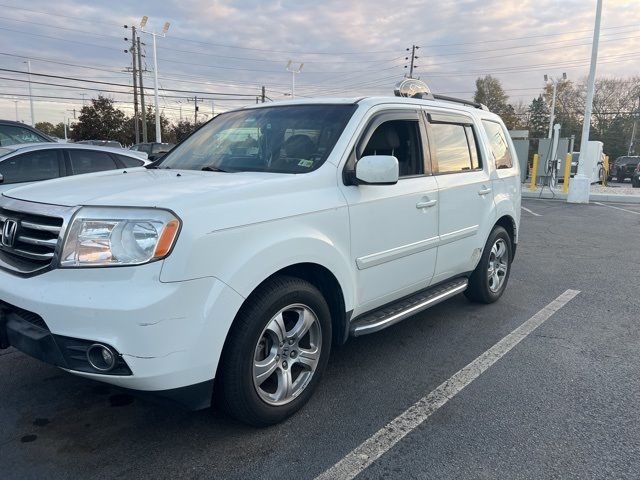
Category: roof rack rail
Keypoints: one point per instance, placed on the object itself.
(460, 100)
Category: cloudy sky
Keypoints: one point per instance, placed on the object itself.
(351, 48)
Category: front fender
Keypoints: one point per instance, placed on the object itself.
(244, 257)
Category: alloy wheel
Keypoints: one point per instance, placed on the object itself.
(498, 265)
(287, 354)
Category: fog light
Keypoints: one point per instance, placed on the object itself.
(101, 357)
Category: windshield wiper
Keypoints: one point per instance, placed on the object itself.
(212, 168)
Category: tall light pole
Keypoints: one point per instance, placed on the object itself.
(293, 71)
(580, 186)
(165, 28)
(554, 81)
(33, 120)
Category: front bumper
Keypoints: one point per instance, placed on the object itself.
(167, 335)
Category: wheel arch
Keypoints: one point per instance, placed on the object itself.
(325, 281)
(509, 224)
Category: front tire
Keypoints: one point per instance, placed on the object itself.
(489, 279)
(276, 352)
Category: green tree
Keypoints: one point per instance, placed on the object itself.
(489, 92)
(538, 118)
(183, 129)
(101, 120)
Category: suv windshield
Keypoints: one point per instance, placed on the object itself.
(284, 139)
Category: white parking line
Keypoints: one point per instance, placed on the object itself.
(617, 208)
(389, 435)
(532, 213)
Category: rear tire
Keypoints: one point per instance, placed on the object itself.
(489, 279)
(276, 352)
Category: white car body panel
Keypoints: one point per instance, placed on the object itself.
(380, 242)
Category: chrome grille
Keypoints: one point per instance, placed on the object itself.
(30, 244)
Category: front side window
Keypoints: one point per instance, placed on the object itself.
(451, 146)
(13, 135)
(89, 161)
(498, 144)
(401, 139)
(30, 167)
(276, 139)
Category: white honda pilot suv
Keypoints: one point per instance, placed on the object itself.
(274, 232)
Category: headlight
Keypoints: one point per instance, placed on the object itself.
(103, 237)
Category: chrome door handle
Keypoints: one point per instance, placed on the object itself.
(426, 204)
(484, 191)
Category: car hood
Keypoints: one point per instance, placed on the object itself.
(144, 188)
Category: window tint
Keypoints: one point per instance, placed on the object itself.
(452, 148)
(400, 138)
(498, 143)
(87, 161)
(31, 167)
(130, 162)
(279, 138)
(12, 135)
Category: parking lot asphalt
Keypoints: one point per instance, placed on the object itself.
(562, 404)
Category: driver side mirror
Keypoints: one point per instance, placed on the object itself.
(1, 178)
(377, 170)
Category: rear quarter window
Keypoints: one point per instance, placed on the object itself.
(498, 144)
(129, 162)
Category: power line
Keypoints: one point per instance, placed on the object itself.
(124, 85)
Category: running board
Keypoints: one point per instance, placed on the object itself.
(397, 311)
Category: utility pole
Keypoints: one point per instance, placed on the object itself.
(579, 188)
(143, 111)
(165, 28)
(413, 59)
(554, 82)
(293, 71)
(134, 70)
(263, 93)
(213, 109)
(33, 120)
(633, 132)
(195, 111)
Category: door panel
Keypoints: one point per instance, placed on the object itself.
(466, 203)
(394, 228)
(465, 193)
(394, 236)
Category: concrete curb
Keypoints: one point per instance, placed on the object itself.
(594, 197)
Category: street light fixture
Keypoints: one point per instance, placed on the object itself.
(554, 81)
(165, 29)
(293, 71)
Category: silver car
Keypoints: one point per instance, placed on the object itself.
(26, 163)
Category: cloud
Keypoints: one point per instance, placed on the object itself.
(349, 48)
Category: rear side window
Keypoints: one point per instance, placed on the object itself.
(89, 161)
(130, 162)
(498, 144)
(455, 148)
(31, 167)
